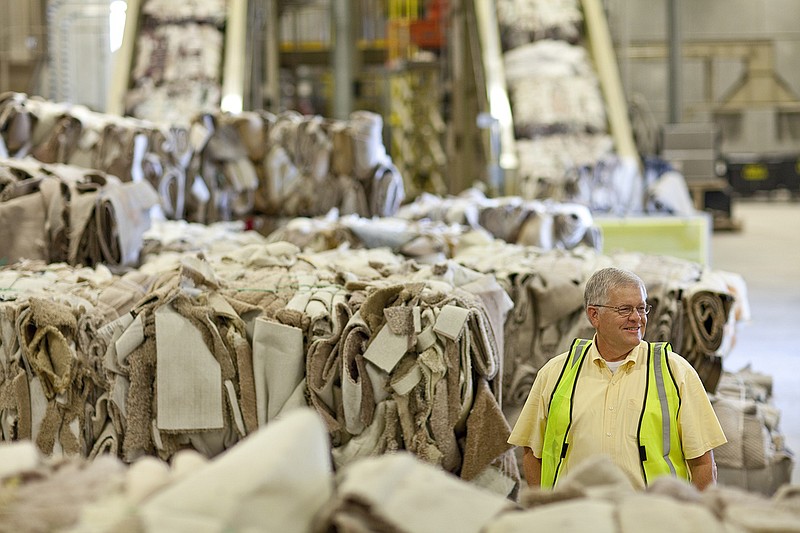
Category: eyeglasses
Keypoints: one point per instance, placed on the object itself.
(627, 310)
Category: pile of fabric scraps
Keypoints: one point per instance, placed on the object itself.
(551, 165)
(281, 479)
(599, 497)
(64, 213)
(427, 240)
(559, 116)
(52, 355)
(755, 456)
(177, 63)
(524, 21)
(553, 89)
(130, 149)
(547, 291)
(218, 166)
(59, 132)
(544, 224)
(695, 308)
(424, 241)
(566, 151)
(219, 332)
(297, 156)
(191, 352)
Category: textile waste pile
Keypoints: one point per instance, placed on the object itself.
(220, 330)
(695, 308)
(63, 213)
(281, 478)
(199, 352)
(176, 71)
(428, 239)
(566, 151)
(220, 166)
(755, 457)
(546, 224)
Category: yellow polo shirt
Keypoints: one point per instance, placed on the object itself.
(606, 410)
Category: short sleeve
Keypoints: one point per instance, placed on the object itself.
(700, 429)
(530, 426)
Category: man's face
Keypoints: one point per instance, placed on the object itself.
(621, 332)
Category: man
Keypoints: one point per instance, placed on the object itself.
(636, 402)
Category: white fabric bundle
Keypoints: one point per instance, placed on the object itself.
(398, 492)
(519, 19)
(276, 480)
(367, 131)
(213, 10)
(553, 88)
(546, 59)
(548, 165)
(176, 72)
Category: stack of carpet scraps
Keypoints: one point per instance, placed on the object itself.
(199, 352)
(64, 213)
(696, 309)
(281, 479)
(755, 456)
(544, 224)
(432, 229)
(59, 132)
(167, 238)
(524, 21)
(177, 60)
(200, 170)
(553, 89)
(566, 151)
(215, 166)
(422, 241)
(559, 116)
(220, 331)
(599, 497)
(547, 290)
(297, 156)
(54, 385)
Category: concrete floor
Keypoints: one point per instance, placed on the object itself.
(766, 252)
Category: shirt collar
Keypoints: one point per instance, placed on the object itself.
(635, 355)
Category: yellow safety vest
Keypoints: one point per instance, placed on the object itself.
(660, 450)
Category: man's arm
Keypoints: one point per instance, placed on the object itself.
(531, 467)
(703, 469)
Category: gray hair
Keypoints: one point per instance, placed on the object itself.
(603, 280)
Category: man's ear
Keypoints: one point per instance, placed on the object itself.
(592, 314)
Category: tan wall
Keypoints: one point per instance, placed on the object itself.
(21, 43)
(758, 128)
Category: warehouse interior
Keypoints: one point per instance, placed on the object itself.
(757, 254)
(266, 245)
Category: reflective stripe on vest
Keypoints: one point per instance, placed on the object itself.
(660, 451)
(559, 418)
